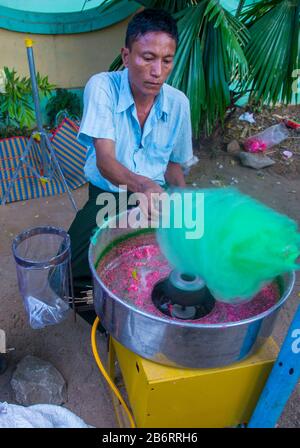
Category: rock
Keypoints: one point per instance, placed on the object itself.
(256, 161)
(37, 381)
(217, 183)
(233, 147)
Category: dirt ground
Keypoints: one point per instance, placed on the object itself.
(67, 345)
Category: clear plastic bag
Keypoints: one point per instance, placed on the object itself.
(42, 256)
(269, 137)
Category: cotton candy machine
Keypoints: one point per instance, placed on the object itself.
(138, 297)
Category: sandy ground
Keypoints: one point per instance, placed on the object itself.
(67, 345)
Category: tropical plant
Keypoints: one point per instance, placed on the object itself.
(273, 48)
(222, 56)
(14, 131)
(63, 104)
(16, 106)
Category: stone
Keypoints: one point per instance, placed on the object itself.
(256, 161)
(36, 381)
(233, 147)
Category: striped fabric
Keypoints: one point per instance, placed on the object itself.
(70, 154)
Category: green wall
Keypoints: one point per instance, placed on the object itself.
(51, 5)
(28, 21)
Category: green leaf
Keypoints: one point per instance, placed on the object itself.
(117, 64)
(16, 103)
(273, 51)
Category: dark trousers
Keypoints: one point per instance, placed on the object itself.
(81, 230)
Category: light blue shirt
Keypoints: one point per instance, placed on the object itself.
(110, 112)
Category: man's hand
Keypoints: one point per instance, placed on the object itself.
(174, 175)
(150, 207)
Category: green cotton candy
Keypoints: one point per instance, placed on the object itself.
(245, 243)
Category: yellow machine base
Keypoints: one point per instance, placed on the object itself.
(168, 397)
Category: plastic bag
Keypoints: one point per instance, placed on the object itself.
(41, 314)
(42, 256)
(244, 246)
(38, 416)
(269, 137)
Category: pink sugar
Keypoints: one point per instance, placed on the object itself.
(134, 266)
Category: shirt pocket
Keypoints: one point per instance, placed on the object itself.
(159, 154)
(157, 158)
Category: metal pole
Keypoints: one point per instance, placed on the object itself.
(57, 166)
(281, 381)
(49, 158)
(36, 100)
(71, 287)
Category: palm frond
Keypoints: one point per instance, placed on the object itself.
(188, 28)
(251, 13)
(188, 72)
(239, 8)
(209, 57)
(273, 51)
(196, 89)
(109, 6)
(224, 59)
(117, 64)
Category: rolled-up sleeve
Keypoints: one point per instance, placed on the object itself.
(98, 117)
(183, 147)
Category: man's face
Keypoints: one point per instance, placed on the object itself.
(149, 62)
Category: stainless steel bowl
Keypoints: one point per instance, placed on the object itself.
(177, 343)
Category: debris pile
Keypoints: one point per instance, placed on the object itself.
(265, 138)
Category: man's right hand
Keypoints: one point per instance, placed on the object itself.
(150, 207)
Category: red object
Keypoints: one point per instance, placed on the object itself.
(65, 120)
(292, 124)
(255, 145)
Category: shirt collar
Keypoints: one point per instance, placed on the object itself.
(162, 104)
(125, 96)
(126, 99)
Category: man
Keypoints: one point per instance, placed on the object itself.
(137, 128)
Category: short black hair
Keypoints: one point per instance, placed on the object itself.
(150, 20)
